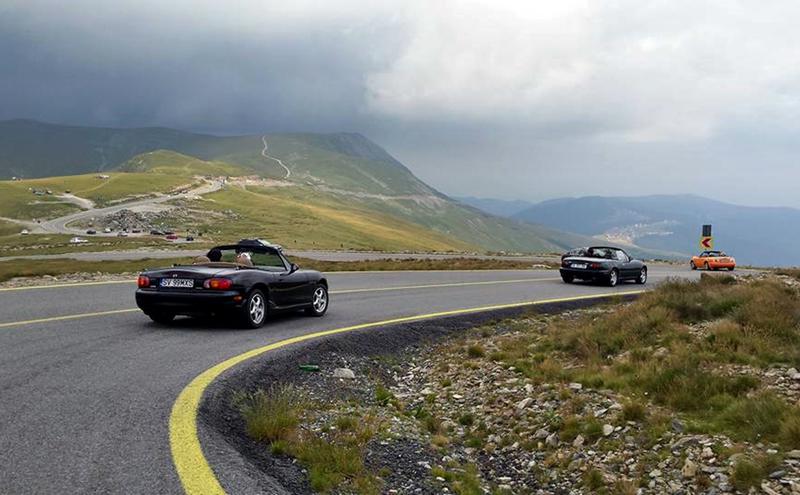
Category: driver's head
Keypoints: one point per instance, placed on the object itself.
(214, 255)
(244, 258)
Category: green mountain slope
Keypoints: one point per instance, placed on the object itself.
(324, 173)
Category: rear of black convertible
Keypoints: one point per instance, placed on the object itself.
(189, 290)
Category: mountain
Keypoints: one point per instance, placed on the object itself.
(763, 236)
(497, 207)
(315, 190)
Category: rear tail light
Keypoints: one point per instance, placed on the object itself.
(143, 281)
(218, 283)
(595, 266)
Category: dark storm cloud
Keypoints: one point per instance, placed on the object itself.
(102, 70)
(508, 99)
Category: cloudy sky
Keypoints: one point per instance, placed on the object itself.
(528, 100)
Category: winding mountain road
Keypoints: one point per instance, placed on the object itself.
(60, 225)
(89, 382)
(265, 155)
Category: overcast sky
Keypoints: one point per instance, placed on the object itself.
(528, 100)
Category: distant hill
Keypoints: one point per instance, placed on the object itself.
(343, 180)
(498, 207)
(755, 235)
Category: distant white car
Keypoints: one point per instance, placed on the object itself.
(77, 240)
(107, 230)
(24, 232)
(122, 234)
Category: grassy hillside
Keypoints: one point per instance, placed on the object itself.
(297, 217)
(171, 162)
(343, 190)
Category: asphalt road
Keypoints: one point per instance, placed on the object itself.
(86, 401)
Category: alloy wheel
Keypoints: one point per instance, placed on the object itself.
(257, 309)
(320, 301)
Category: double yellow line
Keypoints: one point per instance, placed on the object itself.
(196, 475)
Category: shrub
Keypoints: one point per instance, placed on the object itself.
(476, 351)
(328, 463)
(273, 414)
(466, 419)
(593, 480)
(633, 411)
(752, 418)
(383, 395)
(789, 435)
(748, 472)
(682, 383)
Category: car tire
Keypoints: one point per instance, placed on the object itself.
(319, 301)
(568, 279)
(692, 265)
(161, 317)
(613, 278)
(732, 268)
(642, 278)
(254, 309)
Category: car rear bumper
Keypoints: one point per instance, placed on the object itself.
(585, 274)
(187, 303)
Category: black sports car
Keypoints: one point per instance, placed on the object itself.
(602, 264)
(247, 280)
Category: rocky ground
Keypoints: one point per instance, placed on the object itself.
(178, 217)
(451, 419)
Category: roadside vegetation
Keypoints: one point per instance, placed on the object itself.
(692, 387)
(330, 446)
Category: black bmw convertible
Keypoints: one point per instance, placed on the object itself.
(609, 265)
(246, 281)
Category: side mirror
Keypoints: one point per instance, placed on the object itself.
(293, 268)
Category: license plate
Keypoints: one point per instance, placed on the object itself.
(582, 266)
(177, 282)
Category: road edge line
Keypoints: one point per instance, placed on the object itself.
(196, 475)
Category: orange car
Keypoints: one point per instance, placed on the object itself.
(713, 260)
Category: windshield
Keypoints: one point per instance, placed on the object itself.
(267, 260)
(601, 253)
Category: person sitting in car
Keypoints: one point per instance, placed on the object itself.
(244, 259)
(215, 255)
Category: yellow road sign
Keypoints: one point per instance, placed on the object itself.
(707, 242)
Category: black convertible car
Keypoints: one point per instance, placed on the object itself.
(247, 281)
(602, 264)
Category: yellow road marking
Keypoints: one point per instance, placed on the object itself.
(196, 475)
(453, 284)
(67, 317)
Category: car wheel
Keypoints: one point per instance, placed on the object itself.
(254, 310)
(161, 317)
(642, 278)
(319, 301)
(691, 264)
(567, 278)
(613, 278)
(731, 268)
